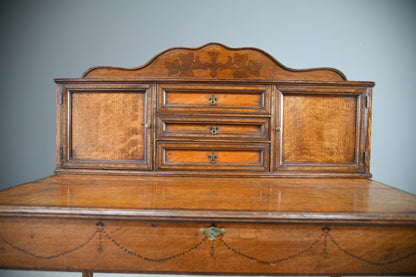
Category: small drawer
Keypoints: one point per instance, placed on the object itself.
(204, 156)
(216, 128)
(217, 99)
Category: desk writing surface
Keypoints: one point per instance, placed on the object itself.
(245, 199)
(95, 223)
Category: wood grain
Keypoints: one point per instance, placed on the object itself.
(317, 139)
(103, 126)
(215, 60)
(322, 129)
(227, 156)
(319, 129)
(149, 246)
(242, 99)
(273, 226)
(202, 128)
(153, 158)
(239, 199)
(107, 126)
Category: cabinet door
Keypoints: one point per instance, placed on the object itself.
(321, 129)
(106, 126)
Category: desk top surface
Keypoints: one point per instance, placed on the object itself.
(207, 199)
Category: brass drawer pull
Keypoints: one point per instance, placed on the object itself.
(213, 158)
(214, 130)
(213, 99)
(212, 232)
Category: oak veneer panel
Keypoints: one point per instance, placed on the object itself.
(107, 126)
(319, 129)
(323, 129)
(103, 126)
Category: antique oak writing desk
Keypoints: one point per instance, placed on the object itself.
(211, 160)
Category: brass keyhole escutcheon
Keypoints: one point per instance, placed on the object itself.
(214, 130)
(213, 158)
(213, 99)
(212, 232)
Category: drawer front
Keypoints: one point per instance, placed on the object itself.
(225, 156)
(216, 99)
(169, 246)
(216, 128)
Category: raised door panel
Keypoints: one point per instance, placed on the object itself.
(321, 129)
(106, 127)
(240, 99)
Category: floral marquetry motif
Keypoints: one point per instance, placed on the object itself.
(239, 65)
(215, 61)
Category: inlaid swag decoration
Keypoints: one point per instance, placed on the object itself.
(213, 238)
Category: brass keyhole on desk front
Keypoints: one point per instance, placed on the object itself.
(213, 158)
(212, 232)
(213, 99)
(214, 130)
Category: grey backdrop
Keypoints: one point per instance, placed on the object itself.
(40, 40)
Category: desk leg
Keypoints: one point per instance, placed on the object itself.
(86, 274)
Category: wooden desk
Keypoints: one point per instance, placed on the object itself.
(211, 161)
(134, 224)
